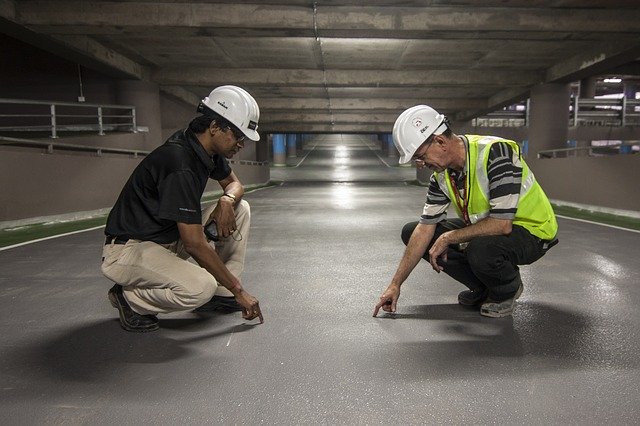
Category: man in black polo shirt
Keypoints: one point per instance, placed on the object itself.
(157, 223)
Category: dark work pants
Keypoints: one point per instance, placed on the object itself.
(487, 262)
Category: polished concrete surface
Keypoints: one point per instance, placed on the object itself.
(323, 246)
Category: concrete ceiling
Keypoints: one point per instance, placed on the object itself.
(339, 65)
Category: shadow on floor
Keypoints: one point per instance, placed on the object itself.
(92, 353)
(539, 338)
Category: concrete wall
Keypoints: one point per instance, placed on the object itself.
(36, 184)
(610, 182)
(39, 184)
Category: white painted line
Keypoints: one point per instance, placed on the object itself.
(229, 341)
(50, 238)
(598, 223)
(379, 157)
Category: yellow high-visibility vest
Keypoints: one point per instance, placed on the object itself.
(534, 212)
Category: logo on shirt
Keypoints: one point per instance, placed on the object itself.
(186, 210)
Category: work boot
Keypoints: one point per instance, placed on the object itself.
(494, 309)
(472, 297)
(224, 304)
(129, 319)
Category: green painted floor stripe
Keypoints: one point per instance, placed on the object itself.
(598, 217)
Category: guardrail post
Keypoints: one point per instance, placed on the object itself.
(134, 126)
(100, 126)
(54, 130)
(623, 117)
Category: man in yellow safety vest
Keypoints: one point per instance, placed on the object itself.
(505, 218)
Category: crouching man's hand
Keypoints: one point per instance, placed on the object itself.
(250, 306)
(388, 300)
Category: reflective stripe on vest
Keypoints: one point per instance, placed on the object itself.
(534, 211)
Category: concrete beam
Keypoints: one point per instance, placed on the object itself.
(598, 60)
(159, 14)
(601, 59)
(81, 50)
(495, 102)
(394, 20)
(415, 94)
(337, 104)
(109, 57)
(181, 94)
(478, 19)
(273, 127)
(332, 117)
(338, 78)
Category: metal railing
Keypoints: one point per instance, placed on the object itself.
(626, 147)
(605, 112)
(51, 147)
(582, 111)
(20, 115)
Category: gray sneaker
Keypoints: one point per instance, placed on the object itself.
(505, 308)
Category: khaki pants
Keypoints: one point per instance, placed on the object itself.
(158, 278)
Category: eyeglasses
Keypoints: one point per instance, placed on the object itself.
(422, 156)
(240, 137)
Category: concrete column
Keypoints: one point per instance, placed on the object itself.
(291, 145)
(279, 150)
(391, 148)
(630, 90)
(549, 117)
(588, 87)
(145, 97)
(383, 142)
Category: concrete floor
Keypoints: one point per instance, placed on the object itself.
(323, 247)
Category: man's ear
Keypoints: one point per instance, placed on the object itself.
(214, 128)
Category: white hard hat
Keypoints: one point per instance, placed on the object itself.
(413, 127)
(235, 105)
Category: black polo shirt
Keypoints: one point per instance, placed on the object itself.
(165, 188)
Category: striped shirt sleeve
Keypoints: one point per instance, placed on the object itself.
(504, 170)
(435, 208)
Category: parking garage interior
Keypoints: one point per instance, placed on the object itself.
(89, 88)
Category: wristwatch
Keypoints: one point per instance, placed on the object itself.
(233, 197)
